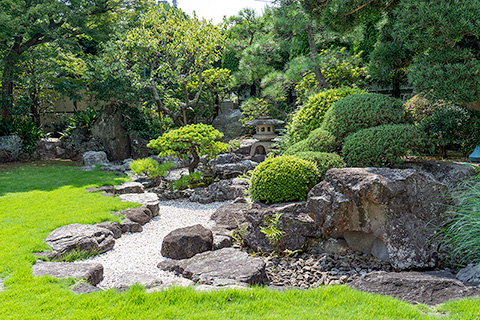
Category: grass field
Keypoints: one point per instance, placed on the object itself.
(37, 198)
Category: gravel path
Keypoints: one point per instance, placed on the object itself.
(139, 253)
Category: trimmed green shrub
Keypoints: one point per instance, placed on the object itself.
(310, 116)
(362, 111)
(320, 140)
(382, 146)
(419, 107)
(300, 146)
(281, 179)
(150, 167)
(323, 160)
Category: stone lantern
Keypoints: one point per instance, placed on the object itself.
(265, 133)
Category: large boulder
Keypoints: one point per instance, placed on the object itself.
(228, 123)
(130, 187)
(470, 274)
(226, 158)
(447, 172)
(222, 190)
(80, 237)
(140, 215)
(94, 157)
(50, 148)
(231, 215)
(233, 170)
(92, 272)
(389, 213)
(79, 142)
(148, 199)
(298, 226)
(226, 263)
(415, 287)
(111, 130)
(186, 242)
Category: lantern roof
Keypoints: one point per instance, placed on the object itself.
(263, 121)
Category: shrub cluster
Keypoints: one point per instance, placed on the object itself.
(323, 160)
(282, 179)
(318, 140)
(382, 146)
(310, 116)
(150, 167)
(362, 111)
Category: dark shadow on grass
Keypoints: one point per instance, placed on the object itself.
(50, 175)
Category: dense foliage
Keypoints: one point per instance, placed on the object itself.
(150, 168)
(382, 146)
(362, 111)
(323, 160)
(194, 139)
(283, 179)
(310, 116)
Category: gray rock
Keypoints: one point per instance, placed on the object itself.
(94, 157)
(78, 143)
(86, 168)
(107, 189)
(415, 287)
(245, 145)
(128, 279)
(49, 148)
(128, 225)
(470, 274)
(140, 215)
(230, 189)
(80, 237)
(186, 242)
(178, 162)
(389, 213)
(227, 263)
(231, 215)
(228, 123)
(10, 147)
(112, 226)
(129, 187)
(226, 158)
(149, 199)
(297, 225)
(83, 287)
(447, 172)
(111, 131)
(233, 170)
(221, 241)
(122, 168)
(92, 272)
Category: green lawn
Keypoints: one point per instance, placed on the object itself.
(37, 198)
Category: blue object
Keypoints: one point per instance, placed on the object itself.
(475, 156)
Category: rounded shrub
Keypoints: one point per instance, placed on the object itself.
(310, 116)
(382, 146)
(420, 108)
(323, 160)
(362, 111)
(300, 146)
(281, 179)
(150, 167)
(320, 140)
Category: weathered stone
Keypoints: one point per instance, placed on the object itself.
(49, 148)
(149, 199)
(447, 172)
(83, 287)
(389, 213)
(178, 162)
(128, 225)
(86, 168)
(111, 131)
(226, 158)
(186, 242)
(245, 145)
(221, 241)
(228, 123)
(107, 189)
(470, 274)
(231, 215)
(78, 143)
(140, 215)
(227, 263)
(233, 170)
(129, 187)
(10, 147)
(80, 237)
(415, 287)
(112, 226)
(92, 272)
(297, 225)
(128, 279)
(94, 157)
(230, 189)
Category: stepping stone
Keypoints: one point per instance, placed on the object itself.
(140, 215)
(92, 272)
(129, 187)
(149, 199)
(128, 225)
(82, 287)
(112, 226)
(107, 189)
(128, 279)
(186, 242)
(227, 263)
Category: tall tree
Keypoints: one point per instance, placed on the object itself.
(25, 24)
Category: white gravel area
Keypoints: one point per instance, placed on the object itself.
(139, 253)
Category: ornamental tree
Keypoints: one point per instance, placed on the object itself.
(195, 139)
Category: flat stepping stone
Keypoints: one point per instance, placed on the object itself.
(128, 225)
(149, 199)
(227, 263)
(82, 287)
(107, 189)
(140, 215)
(92, 272)
(130, 187)
(415, 287)
(83, 237)
(128, 279)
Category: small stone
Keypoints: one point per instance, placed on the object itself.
(128, 225)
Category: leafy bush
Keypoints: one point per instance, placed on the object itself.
(282, 179)
(150, 167)
(419, 107)
(320, 140)
(192, 180)
(382, 146)
(323, 160)
(362, 111)
(462, 231)
(82, 120)
(300, 146)
(145, 121)
(25, 129)
(310, 116)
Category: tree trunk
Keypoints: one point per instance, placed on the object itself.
(322, 82)
(195, 162)
(396, 93)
